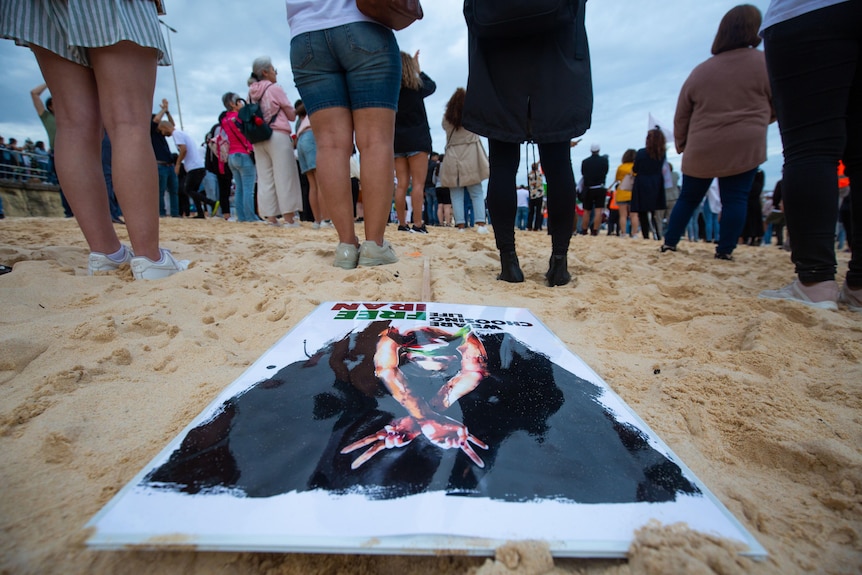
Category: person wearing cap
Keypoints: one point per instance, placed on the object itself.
(594, 169)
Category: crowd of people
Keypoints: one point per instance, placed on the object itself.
(296, 160)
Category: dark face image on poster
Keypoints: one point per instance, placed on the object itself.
(390, 413)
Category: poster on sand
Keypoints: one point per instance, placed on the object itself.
(413, 428)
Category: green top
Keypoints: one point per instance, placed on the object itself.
(50, 123)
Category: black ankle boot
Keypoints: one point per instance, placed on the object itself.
(511, 268)
(558, 272)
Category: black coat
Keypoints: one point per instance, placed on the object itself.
(412, 133)
(534, 88)
(648, 191)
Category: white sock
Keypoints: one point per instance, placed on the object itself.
(119, 255)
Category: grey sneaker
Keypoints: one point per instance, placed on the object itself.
(852, 298)
(823, 295)
(346, 256)
(146, 269)
(99, 262)
(370, 254)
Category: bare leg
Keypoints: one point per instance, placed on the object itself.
(315, 197)
(402, 175)
(78, 148)
(126, 79)
(333, 129)
(418, 170)
(375, 134)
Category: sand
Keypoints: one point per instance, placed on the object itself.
(761, 399)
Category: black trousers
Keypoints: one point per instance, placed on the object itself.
(813, 62)
(192, 185)
(556, 161)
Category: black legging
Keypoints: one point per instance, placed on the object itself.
(813, 62)
(503, 200)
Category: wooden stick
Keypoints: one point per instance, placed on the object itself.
(426, 281)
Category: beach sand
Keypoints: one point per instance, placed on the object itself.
(761, 399)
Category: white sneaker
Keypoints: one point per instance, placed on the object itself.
(823, 295)
(99, 262)
(370, 254)
(482, 230)
(144, 268)
(346, 256)
(293, 224)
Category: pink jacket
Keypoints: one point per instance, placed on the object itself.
(238, 143)
(274, 102)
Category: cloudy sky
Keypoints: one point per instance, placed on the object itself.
(642, 51)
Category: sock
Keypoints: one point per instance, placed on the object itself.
(119, 255)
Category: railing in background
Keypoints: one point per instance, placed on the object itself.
(23, 166)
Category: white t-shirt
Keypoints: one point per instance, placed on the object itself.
(782, 10)
(311, 15)
(523, 197)
(193, 160)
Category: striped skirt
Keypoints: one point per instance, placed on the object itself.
(69, 28)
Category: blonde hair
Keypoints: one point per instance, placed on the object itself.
(410, 72)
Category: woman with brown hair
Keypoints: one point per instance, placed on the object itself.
(464, 165)
(722, 114)
(412, 142)
(648, 189)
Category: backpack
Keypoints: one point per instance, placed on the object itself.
(517, 18)
(218, 143)
(251, 123)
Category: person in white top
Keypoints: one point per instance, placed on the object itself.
(347, 69)
(188, 156)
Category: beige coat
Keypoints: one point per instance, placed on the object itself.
(722, 114)
(465, 162)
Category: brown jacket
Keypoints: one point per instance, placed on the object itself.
(465, 162)
(722, 114)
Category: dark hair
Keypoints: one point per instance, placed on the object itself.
(656, 144)
(738, 29)
(454, 107)
(229, 98)
(49, 103)
(629, 156)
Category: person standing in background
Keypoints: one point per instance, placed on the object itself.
(594, 170)
(189, 156)
(49, 121)
(279, 192)
(412, 143)
(168, 181)
(536, 183)
(722, 115)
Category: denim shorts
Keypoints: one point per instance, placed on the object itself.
(306, 151)
(352, 66)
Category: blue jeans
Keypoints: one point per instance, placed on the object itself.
(352, 66)
(477, 198)
(431, 206)
(244, 174)
(734, 204)
(710, 222)
(693, 227)
(168, 181)
(521, 217)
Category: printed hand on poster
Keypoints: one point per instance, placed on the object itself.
(430, 349)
